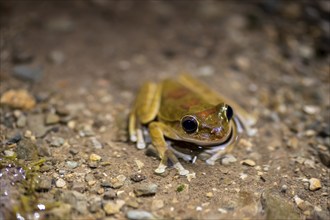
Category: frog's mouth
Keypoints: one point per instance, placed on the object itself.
(207, 143)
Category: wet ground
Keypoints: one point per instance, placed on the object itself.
(70, 72)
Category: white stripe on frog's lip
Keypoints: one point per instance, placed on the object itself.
(207, 142)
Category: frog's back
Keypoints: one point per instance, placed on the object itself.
(178, 100)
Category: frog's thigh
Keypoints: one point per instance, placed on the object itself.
(157, 132)
(148, 102)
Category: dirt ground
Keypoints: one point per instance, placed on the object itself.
(70, 71)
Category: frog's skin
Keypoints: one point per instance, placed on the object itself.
(164, 107)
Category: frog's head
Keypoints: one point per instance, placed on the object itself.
(210, 126)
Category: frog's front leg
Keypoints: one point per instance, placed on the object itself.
(157, 132)
(145, 110)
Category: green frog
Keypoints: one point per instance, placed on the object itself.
(184, 118)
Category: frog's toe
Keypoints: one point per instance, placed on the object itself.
(140, 145)
(210, 161)
(133, 138)
(161, 168)
(182, 171)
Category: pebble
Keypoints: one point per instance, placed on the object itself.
(44, 184)
(18, 99)
(95, 157)
(284, 188)
(78, 186)
(9, 153)
(24, 72)
(228, 159)
(293, 143)
(311, 109)
(57, 142)
(209, 194)
(118, 181)
(71, 164)
(15, 139)
(56, 57)
(60, 183)
(276, 207)
(137, 177)
(191, 176)
(146, 189)
(21, 121)
(95, 143)
(27, 150)
(109, 195)
(22, 56)
(248, 162)
(92, 164)
(111, 208)
(139, 215)
(73, 151)
(36, 125)
(51, 119)
(302, 204)
(314, 184)
(157, 204)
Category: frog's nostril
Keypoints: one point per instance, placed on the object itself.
(216, 131)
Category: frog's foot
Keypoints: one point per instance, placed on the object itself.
(161, 168)
(211, 161)
(182, 171)
(140, 143)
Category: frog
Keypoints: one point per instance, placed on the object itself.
(184, 118)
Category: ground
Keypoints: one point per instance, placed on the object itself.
(69, 75)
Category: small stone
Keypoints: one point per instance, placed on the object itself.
(28, 134)
(44, 150)
(52, 119)
(56, 57)
(209, 195)
(60, 183)
(139, 215)
(44, 184)
(314, 184)
(311, 109)
(36, 125)
(111, 208)
(21, 121)
(15, 139)
(95, 143)
(118, 181)
(78, 186)
(18, 99)
(9, 153)
(157, 204)
(95, 157)
(248, 162)
(28, 73)
(146, 189)
(137, 177)
(228, 159)
(73, 151)
(110, 195)
(302, 204)
(93, 164)
(61, 212)
(191, 176)
(284, 188)
(27, 150)
(22, 56)
(95, 206)
(57, 142)
(139, 164)
(71, 164)
(276, 207)
(293, 143)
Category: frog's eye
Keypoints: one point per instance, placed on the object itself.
(229, 112)
(189, 124)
